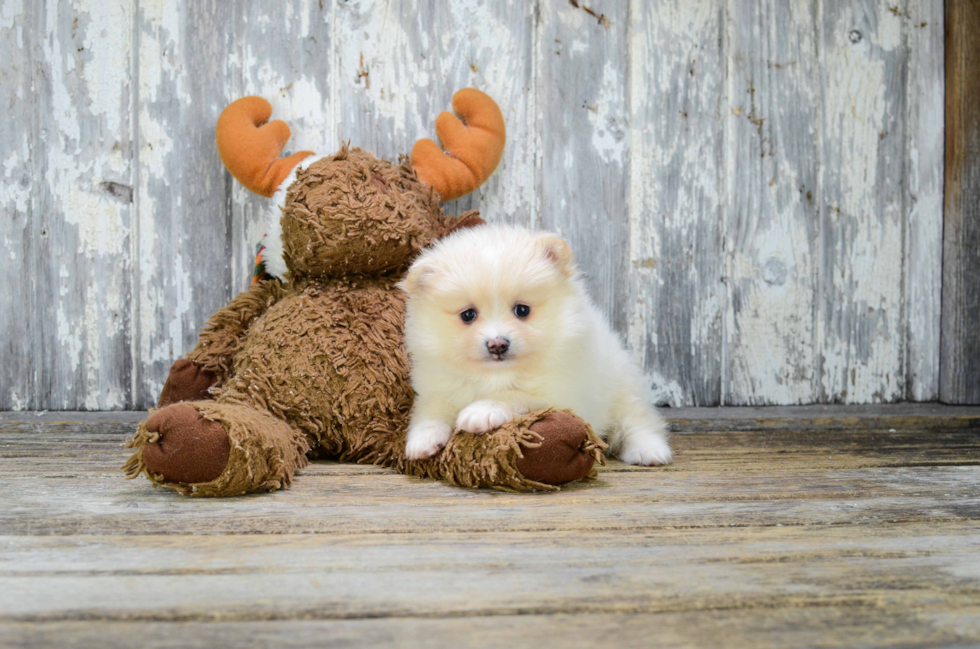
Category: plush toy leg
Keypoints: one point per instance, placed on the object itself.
(535, 452)
(204, 448)
(187, 381)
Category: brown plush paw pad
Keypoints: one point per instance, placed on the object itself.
(559, 459)
(190, 449)
(187, 382)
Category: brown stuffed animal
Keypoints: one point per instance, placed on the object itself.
(313, 360)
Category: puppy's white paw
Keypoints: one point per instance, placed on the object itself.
(646, 450)
(426, 438)
(481, 416)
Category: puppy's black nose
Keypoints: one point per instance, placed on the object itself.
(498, 346)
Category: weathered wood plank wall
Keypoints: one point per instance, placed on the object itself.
(961, 262)
(754, 188)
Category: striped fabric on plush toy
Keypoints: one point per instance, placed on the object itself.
(258, 270)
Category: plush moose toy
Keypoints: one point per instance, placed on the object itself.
(312, 361)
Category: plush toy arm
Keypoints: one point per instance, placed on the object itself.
(224, 333)
(537, 451)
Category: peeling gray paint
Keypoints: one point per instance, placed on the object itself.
(753, 189)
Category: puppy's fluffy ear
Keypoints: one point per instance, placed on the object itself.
(556, 250)
(422, 270)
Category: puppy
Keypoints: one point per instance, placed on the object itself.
(498, 323)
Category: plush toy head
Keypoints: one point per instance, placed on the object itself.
(352, 213)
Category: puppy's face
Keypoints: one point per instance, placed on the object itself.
(488, 299)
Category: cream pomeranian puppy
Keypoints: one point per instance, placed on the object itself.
(498, 323)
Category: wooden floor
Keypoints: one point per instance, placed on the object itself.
(823, 526)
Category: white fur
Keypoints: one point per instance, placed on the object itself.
(564, 354)
(275, 263)
(484, 415)
(429, 438)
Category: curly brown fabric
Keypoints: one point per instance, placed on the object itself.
(224, 333)
(354, 213)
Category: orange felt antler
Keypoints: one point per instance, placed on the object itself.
(473, 146)
(250, 148)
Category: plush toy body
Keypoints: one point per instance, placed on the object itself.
(313, 361)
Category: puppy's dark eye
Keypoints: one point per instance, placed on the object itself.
(468, 316)
(522, 311)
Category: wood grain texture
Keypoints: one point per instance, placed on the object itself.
(19, 135)
(924, 202)
(753, 190)
(392, 575)
(400, 63)
(960, 369)
(583, 122)
(62, 479)
(826, 535)
(677, 297)
(285, 56)
(861, 324)
(773, 161)
(832, 625)
(82, 224)
(182, 274)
